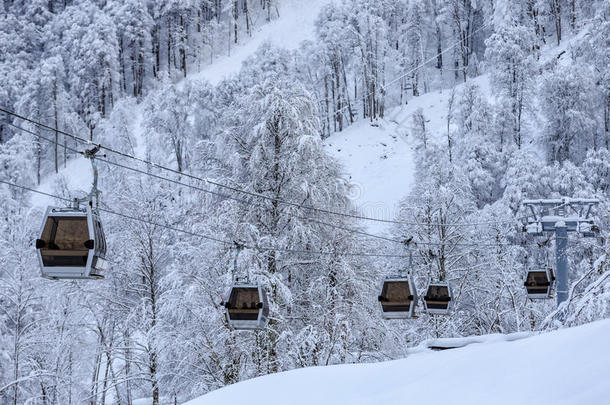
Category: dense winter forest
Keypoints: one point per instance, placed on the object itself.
(125, 73)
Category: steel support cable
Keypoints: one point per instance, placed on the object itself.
(211, 238)
(231, 188)
(346, 229)
(231, 243)
(245, 202)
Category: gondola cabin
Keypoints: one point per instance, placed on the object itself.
(538, 283)
(438, 298)
(246, 307)
(398, 298)
(71, 244)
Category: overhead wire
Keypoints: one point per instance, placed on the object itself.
(235, 189)
(208, 237)
(110, 162)
(218, 194)
(259, 248)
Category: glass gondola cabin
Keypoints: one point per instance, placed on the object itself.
(398, 298)
(247, 307)
(438, 298)
(538, 283)
(71, 244)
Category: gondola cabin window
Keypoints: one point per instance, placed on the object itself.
(246, 307)
(244, 304)
(538, 283)
(438, 298)
(398, 298)
(64, 241)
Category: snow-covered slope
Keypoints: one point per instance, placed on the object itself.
(379, 160)
(568, 366)
(378, 163)
(294, 25)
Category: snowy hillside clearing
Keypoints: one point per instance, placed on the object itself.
(294, 25)
(379, 166)
(379, 161)
(566, 367)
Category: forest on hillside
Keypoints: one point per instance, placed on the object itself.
(248, 165)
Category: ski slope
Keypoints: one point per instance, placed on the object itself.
(378, 165)
(379, 161)
(567, 367)
(294, 25)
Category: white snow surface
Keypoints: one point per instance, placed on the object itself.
(76, 179)
(379, 161)
(294, 25)
(378, 164)
(567, 367)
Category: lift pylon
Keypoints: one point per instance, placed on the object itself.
(561, 216)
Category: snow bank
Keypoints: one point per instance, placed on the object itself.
(568, 366)
(451, 343)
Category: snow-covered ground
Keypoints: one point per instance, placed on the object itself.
(378, 163)
(435, 108)
(568, 367)
(379, 160)
(294, 25)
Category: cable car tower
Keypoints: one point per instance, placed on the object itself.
(559, 216)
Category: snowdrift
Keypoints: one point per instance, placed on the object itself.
(568, 366)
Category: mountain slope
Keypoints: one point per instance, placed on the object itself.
(567, 366)
(294, 25)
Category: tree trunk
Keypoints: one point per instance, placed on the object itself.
(134, 69)
(247, 17)
(268, 4)
(346, 92)
(38, 156)
(96, 371)
(556, 11)
(156, 49)
(122, 61)
(326, 101)
(105, 384)
(16, 350)
(183, 44)
(169, 43)
(439, 49)
(607, 120)
(449, 117)
(235, 16)
(150, 269)
(127, 342)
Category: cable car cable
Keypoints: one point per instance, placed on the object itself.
(346, 229)
(235, 189)
(354, 231)
(226, 242)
